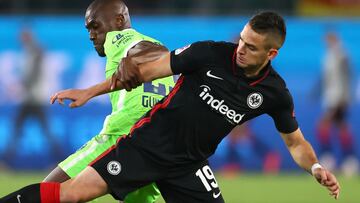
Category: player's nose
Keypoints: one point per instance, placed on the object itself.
(92, 36)
(241, 49)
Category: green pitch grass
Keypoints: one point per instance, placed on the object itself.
(244, 188)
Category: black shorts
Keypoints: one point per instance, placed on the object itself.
(125, 169)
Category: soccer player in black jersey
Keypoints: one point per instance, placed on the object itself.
(221, 86)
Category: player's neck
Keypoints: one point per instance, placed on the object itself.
(254, 71)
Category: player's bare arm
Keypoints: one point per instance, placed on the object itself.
(80, 96)
(145, 62)
(141, 53)
(305, 157)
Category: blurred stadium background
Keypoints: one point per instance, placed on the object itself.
(70, 61)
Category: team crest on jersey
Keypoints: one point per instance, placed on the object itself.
(114, 167)
(254, 100)
(116, 38)
(178, 51)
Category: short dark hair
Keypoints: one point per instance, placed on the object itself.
(269, 22)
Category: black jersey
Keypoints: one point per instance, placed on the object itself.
(211, 97)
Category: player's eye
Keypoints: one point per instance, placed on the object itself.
(252, 48)
(95, 26)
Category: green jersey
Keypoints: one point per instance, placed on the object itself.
(128, 107)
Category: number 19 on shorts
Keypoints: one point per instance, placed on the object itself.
(207, 178)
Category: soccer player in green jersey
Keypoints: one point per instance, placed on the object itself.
(109, 27)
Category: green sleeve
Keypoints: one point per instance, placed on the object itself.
(118, 43)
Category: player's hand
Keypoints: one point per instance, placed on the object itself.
(328, 180)
(77, 96)
(128, 74)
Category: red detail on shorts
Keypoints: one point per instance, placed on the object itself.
(234, 61)
(159, 105)
(107, 151)
(261, 79)
(50, 192)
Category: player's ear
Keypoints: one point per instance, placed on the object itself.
(120, 21)
(272, 53)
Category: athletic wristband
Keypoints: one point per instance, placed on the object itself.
(315, 166)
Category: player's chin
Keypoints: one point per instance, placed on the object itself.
(243, 65)
(100, 52)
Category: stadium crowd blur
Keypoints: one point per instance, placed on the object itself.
(70, 61)
(151, 7)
